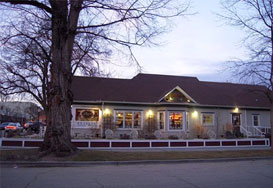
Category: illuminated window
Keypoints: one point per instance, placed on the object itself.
(207, 119)
(256, 120)
(87, 115)
(161, 120)
(127, 119)
(119, 119)
(137, 119)
(175, 120)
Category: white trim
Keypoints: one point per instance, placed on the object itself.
(164, 119)
(203, 141)
(183, 122)
(123, 119)
(252, 120)
(182, 91)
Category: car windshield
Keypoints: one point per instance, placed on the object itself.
(5, 123)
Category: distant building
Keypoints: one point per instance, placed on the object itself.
(18, 111)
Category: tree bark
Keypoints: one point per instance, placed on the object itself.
(58, 134)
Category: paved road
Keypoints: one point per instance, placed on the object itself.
(241, 174)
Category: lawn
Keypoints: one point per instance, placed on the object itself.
(95, 155)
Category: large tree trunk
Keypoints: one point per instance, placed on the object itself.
(270, 97)
(57, 138)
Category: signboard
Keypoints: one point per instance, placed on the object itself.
(86, 118)
(87, 115)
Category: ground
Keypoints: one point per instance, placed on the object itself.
(250, 174)
(131, 155)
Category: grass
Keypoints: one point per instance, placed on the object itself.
(95, 155)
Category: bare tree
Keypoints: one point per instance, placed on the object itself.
(117, 24)
(255, 17)
(26, 60)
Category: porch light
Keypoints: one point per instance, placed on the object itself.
(150, 114)
(194, 114)
(236, 110)
(106, 112)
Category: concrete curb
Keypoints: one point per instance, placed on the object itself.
(16, 164)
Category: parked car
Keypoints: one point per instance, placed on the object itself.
(13, 127)
(4, 124)
(34, 126)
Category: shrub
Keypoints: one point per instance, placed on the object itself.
(125, 136)
(173, 137)
(229, 135)
(150, 137)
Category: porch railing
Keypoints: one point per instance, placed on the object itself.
(246, 132)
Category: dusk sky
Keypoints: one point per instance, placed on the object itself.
(198, 45)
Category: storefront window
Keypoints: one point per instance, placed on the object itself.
(119, 119)
(128, 119)
(137, 119)
(175, 120)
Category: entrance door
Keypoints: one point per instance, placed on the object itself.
(236, 122)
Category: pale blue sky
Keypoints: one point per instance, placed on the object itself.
(198, 45)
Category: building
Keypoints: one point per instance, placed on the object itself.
(167, 107)
(16, 111)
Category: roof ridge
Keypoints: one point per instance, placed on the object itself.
(106, 78)
(163, 75)
(246, 84)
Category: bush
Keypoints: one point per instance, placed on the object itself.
(150, 137)
(173, 137)
(229, 135)
(125, 136)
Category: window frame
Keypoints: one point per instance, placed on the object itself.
(164, 119)
(133, 121)
(183, 120)
(258, 118)
(208, 113)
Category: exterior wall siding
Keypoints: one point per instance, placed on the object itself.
(222, 117)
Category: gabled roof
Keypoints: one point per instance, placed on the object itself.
(150, 88)
(182, 93)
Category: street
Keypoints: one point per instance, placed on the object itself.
(243, 174)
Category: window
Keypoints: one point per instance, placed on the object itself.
(255, 120)
(137, 119)
(161, 120)
(175, 120)
(87, 115)
(127, 119)
(207, 119)
(119, 119)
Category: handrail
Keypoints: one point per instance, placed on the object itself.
(246, 131)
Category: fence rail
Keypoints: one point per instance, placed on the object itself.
(119, 144)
